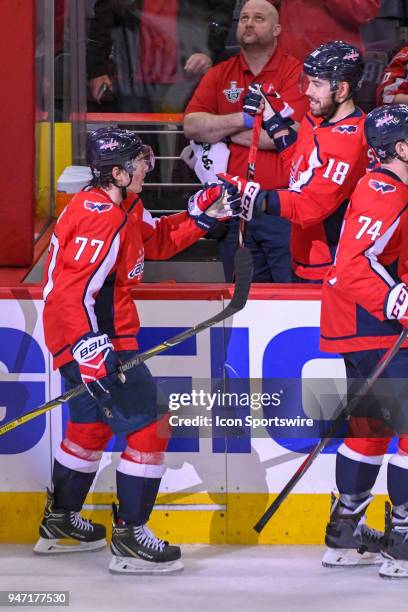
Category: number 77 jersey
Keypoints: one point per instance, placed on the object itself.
(96, 258)
(361, 291)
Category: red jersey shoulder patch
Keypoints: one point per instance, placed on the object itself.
(381, 186)
(99, 207)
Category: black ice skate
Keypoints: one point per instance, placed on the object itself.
(66, 531)
(349, 541)
(394, 546)
(136, 550)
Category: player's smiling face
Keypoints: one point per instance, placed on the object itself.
(320, 96)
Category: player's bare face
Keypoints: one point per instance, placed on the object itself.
(257, 25)
(320, 96)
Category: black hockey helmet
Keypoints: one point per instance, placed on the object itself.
(109, 147)
(336, 61)
(385, 126)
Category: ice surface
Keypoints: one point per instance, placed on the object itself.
(215, 579)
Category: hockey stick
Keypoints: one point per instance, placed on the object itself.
(243, 277)
(335, 427)
(253, 150)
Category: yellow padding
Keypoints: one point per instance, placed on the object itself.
(300, 520)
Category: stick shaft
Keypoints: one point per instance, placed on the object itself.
(243, 267)
(334, 428)
(253, 151)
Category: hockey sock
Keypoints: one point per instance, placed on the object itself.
(70, 487)
(397, 480)
(136, 495)
(356, 473)
(350, 503)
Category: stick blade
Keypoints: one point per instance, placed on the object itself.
(243, 277)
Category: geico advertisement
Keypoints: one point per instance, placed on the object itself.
(242, 396)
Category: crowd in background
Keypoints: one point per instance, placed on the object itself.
(150, 56)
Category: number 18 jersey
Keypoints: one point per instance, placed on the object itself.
(325, 165)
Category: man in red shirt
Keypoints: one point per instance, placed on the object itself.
(215, 113)
(325, 159)
(96, 257)
(364, 309)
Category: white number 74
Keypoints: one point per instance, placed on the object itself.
(372, 230)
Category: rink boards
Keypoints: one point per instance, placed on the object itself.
(215, 488)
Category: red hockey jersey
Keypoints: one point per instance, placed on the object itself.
(395, 79)
(355, 291)
(325, 163)
(96, 256)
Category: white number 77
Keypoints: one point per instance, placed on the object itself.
(94, 243)
(373, 231)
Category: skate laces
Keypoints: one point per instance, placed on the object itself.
(147, 538)
(79, 522)
(370, 534)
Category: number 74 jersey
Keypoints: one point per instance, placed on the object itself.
(362, 290)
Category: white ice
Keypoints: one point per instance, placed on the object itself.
(215, 579)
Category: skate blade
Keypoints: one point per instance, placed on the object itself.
(133, 565)
(345, 557)
(394, 569)
(46, 546)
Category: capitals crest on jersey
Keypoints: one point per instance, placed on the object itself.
(233, 94)
(100, 207)
(138, 268)
(345, 129)
(381, 186)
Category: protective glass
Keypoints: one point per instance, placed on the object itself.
(303, 83)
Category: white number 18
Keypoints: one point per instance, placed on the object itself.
(340, 171)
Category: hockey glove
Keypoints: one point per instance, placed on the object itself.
(98, 364)
(248, 192)
(276, 112)
(397, 304)
(212, 204)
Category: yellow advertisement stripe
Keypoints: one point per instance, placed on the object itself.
(301, 520)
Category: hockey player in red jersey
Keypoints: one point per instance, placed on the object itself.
(96, 256)
(325, 159)
(364, 309)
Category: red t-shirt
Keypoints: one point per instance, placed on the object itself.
(221, 92)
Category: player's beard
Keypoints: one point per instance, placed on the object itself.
(323, 109)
